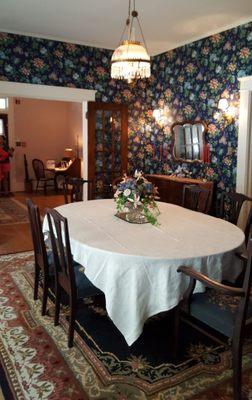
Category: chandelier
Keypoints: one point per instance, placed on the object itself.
(130, 59)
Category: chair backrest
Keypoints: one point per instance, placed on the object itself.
(231, 204)
(74, 188)
(39, 169)
(59, 235)
(39, 247)
(196, 198)
(247, 281)
(248, 227)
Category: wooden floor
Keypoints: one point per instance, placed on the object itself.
(15, 238)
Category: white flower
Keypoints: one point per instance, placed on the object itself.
(127, 192)
(138, 174)
(117, 193)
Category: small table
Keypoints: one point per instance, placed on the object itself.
(73, 170)
(136, 265)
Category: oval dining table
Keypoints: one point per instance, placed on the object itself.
(135, 265)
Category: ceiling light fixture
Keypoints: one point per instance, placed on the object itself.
(130, 59)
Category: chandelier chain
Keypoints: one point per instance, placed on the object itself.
(142, 34)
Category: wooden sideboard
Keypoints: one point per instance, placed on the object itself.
(170, 188)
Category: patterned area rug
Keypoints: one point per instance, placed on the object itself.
(39, 365)
(12, 211)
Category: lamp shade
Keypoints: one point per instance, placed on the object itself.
(69, 153)
(130, 61)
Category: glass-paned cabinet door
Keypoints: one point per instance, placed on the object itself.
(107, 145)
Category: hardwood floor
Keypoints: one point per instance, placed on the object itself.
(50, 201)
(16, 238)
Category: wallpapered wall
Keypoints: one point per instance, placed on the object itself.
(189, 80)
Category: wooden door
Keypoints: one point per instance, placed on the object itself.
(107, 146)
(4, 132)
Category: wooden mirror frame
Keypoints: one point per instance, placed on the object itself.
(204, 152)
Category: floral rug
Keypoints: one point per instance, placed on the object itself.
(12, 211)
(38, 364)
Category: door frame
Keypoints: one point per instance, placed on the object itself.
(244, 150)
(4, 117)
(47, 92)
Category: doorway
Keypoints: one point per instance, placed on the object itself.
(4, 132)
(44, 92)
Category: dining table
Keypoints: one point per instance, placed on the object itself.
(135, 265)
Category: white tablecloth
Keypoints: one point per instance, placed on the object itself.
(136, 265)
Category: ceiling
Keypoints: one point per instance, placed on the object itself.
(166, 23)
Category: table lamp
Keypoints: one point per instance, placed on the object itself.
(69, 153)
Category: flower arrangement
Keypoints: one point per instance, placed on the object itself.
(135, 199)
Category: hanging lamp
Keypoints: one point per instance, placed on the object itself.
(130, 59)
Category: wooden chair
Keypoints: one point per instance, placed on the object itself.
(74, 188)
(223, 308)
(196, 198)
(248, 227)
(70, 277)
(39, 171)
(231, 204)
(44, 268)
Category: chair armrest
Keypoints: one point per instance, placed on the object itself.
(197, 276)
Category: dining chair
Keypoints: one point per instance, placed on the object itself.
(248, 227)
(73, 188)
(196, 198)
(224, 309)
(231, 204)
(44, 268)
(39, 171)
(70, 277)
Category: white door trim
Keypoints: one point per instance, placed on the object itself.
(44, 92)
(244, 135)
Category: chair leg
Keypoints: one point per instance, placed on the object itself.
(37, 186)
(71, 322)
(57, 305)
(36, 282)
(237, 368)
(45, 294)
(55, 184)
(176, 332)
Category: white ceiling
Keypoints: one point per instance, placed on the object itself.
(166, 23)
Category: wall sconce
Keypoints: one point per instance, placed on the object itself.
(228, 110)
(162, 116)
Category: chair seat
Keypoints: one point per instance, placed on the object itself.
(217, 310)
(85, 288)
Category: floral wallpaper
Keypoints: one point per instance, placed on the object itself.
(187, 81)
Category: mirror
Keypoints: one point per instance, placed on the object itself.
(189, 141)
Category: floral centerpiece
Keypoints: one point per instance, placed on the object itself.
(135, 199)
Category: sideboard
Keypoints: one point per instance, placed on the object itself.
(170, 188)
